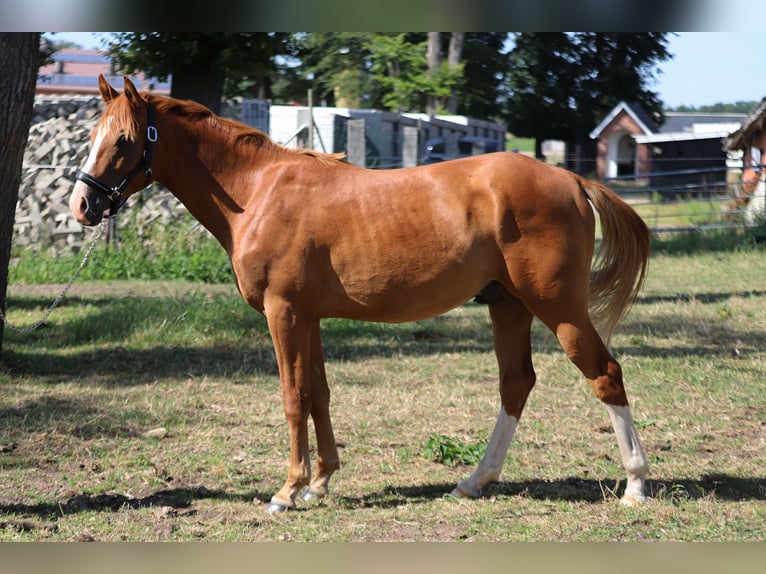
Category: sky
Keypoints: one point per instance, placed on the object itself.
(712, 67)
(707, 67)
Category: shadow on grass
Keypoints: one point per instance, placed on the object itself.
(118, 366)
(244, 349)
(706, 338)
(176, 498)
(79, 418)
(573, 489)
(720, 486)
(704, 298)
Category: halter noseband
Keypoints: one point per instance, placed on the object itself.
(113, 193)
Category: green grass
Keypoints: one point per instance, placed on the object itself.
(722, 240)
(690, 213)
(452, 451)
(522, 145)
(181, 250)
(150, 410)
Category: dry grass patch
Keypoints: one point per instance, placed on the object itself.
(149, 411)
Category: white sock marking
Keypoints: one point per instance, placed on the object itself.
(633, 456)
(489, 468)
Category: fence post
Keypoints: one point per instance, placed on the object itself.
(356, 142)
(410, 146)
(478, 148)
(451, 150)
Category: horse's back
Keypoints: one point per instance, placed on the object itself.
(405, 244)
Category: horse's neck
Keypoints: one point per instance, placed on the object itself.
(195, 171)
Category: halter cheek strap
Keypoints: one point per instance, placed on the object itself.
(114, 192)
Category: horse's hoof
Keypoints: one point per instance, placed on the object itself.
(633, 500)
(309, 495)
(276, 507)
(458, 492)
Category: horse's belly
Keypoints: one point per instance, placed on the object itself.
(401, 297)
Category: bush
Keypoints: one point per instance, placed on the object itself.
(452, 451)
(182, 250)
(711, 240)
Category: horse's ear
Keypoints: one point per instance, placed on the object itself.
(108, 93)
(132, 94)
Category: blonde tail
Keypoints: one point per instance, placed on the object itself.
(620, 266)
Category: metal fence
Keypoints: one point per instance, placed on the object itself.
(692, 199)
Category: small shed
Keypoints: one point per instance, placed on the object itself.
(750, 141)
(616, 151)
(631, 143)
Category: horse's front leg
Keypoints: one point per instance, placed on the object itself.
(327, 451)
(291, 335)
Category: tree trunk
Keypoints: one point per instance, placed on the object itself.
(539, 148)
(434, 58)
(454, 55)
(19, 57)
(201, 84)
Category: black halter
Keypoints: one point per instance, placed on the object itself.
(114, 193)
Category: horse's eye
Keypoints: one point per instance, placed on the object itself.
(121, 142)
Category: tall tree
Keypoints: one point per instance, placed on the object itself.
(19, 62)
(542, 87)
(434, 60)
(454, 57)
(361, 69)
(561, 85)
(485, 67)
(400, 66)
(200, 63)
(452, 71)
(336, 65)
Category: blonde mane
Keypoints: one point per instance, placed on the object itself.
(119, 115)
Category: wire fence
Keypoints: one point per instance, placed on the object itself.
(668, 201)
(692, 199)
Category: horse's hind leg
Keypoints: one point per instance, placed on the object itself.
(584, 347)
(511, 323)
(327, 450)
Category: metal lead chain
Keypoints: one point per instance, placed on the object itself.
(58, 299)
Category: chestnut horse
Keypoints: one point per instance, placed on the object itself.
(310, 236)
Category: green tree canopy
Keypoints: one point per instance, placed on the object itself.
(561, 85)
(486, 65)
(547, 86)
(205, 66)
(738, 107)
(389, 71)
(336, 65)
(365, 70)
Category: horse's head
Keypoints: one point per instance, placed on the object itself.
(121, 147)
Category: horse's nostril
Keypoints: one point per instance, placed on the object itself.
(83, 205)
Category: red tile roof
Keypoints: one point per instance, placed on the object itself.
(76, 72)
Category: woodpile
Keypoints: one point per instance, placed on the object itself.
(58, 145)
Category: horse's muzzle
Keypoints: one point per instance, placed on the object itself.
(86, 205)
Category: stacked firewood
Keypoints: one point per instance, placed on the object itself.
(58, 145)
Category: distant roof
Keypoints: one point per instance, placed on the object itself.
(75, 71)
(677, 126)
(635, 111)
(753, 122)
(679, 122)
